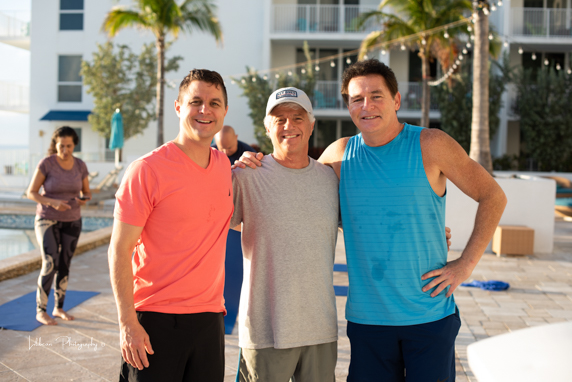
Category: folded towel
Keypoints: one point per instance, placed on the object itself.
(493, 285)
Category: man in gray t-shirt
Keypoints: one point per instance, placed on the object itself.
(289, 209)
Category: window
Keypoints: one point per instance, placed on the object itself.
(69, 79)
(77, 148)
(71, 15)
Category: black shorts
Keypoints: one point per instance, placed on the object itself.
(187, 347)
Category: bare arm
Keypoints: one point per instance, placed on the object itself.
(134, 340)
(85, 192)
(444, 159)
(33, 193)
(334, 154)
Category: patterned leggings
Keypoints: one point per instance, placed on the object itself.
(57, 241)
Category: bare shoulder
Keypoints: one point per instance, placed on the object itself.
(334, 154)
(438, 145)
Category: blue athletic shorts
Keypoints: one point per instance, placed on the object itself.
(413, 353)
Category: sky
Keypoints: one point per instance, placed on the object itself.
(14, 67)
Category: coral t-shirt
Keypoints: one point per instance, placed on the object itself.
(185, 211)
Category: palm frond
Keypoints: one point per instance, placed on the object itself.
(370, 40)
(200, 15)
(119, 18)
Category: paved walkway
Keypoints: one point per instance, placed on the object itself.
(87, 349)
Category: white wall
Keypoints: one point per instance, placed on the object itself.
(530, 203)
(242, 46)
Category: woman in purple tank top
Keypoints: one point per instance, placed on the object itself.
(58, 218)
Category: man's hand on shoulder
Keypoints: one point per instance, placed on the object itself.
(135, 344)
(250, 159)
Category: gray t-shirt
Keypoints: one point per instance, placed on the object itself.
(289, 237)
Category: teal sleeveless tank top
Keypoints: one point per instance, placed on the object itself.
(394, 232)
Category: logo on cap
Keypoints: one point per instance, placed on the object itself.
(287, 93)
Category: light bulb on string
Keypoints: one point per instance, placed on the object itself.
(499, 3)
(490, 36)
(253, 79)
(546, 62)
(365, 57)
(465, 51)
(402, 46)
(505, 44)
(472, 37)
(243, 81)
(446, 34)
(533, 56)
(348, 61)
(265, 77)
(520, 51)
(232, 82)
(383, 52)
(493, 7)
(277, 75)
(317, 68)
(469, 28)
(290, 73)
(569, 71)
(468, 45)
(303, 71)
(558, 67)
(333, 64)
(461, 57)
(486, 11)
(423, 41)
(454, 66)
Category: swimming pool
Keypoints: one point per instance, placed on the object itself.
(17, 232)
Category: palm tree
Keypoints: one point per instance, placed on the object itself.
(413, 17)
(163, 17)
(480, 143)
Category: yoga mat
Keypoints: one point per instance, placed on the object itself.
(340, 268)
(20, 314)
(340, 290)
(233, 279)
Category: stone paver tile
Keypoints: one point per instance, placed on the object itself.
(494, 325)
(503, 312)
(537, 313)
(57, 373)
(560, 313)
(554, 320)
(512, 326)
(546, 304)
(495, 318)
(534, 321)
(496, 332)
(107, 367)
(10, 376)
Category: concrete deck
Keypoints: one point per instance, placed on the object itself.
(87, 349)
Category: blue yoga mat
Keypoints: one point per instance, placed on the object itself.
(340, 290)
(340, 268)
(233, 279)
(20, 314)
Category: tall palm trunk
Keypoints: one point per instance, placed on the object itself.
(425, 95)
(480, 142)
(160, 87)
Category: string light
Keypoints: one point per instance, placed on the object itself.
(253, 79)
(490, 36)
(533, 56)
(468, 45)
(558, 67)
(493, 7)
(402, 46)
(277, 75)
(423, 41)
(499, 3)
(465, 51)
(243, 81)
(348, 61)
(460, 57)
(383, 52)
(265, 78)
(446, 34)
(472, 37)
(486, 11)
(333, 64)
(232, 82)
(505, 44)
(546, 62)
(290, 73)
(469, 28)
(520, 51)
(317, 68)
(569, 71)
(365, 57)
(303, 71)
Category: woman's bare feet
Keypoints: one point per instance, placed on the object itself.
(62, 314)
(45, 319)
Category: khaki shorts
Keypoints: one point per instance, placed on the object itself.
(314, 363)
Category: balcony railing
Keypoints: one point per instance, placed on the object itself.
(327, 96)
(541, 22)
(14, 97)
(320, 19)
(12, 24)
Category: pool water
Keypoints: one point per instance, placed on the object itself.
(16, 241)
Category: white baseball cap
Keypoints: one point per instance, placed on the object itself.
(289, 95)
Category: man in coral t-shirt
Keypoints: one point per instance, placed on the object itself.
(167, 249)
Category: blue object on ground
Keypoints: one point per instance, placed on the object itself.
(20, 314)
(340, 290)
(566, 202)
(233, 279)
(493, 285)
(340, 268)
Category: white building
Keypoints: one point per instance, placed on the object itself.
(262, 34)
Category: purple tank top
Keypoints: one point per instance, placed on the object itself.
(63, 185)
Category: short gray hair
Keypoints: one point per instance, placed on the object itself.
(292, 106)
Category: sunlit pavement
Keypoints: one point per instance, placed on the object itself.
(87, 349)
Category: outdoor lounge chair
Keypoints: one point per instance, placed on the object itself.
(106, 188)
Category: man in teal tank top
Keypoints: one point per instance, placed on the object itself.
(402, 318)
